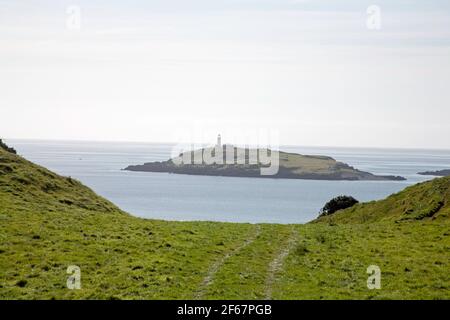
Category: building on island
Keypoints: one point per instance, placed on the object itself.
(219, 141)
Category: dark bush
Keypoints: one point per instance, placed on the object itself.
(338, 203)
(21, 283)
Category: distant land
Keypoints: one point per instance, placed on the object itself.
(439, 173)
(291, 166)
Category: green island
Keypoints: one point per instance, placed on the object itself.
(49, 222)
(235, 162)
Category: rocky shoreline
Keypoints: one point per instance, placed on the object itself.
(439, 173)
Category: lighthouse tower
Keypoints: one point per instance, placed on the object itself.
(219, 141)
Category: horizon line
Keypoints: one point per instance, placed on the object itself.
(174, 142)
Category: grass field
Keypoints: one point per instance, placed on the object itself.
(48, 223)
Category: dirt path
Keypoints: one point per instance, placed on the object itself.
(277, 263)
(214, 268)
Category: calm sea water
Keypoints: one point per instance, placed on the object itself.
(184, 197)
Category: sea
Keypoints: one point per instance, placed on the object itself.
(228, 199)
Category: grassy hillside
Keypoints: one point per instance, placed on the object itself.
(49, 222)
(424, 201)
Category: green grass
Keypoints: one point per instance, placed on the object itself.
(413, 258)
(48, 223)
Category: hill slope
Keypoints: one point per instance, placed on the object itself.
(427, 200)
(41, 188)
(49, 222)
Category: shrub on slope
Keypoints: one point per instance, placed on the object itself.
(424, 201)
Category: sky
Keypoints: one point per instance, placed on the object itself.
(316, 72)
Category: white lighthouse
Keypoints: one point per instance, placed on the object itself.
(219, 141)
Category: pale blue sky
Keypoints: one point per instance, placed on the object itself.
(148, 70)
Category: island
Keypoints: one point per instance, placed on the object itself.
(439, 173)
(230, 161)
